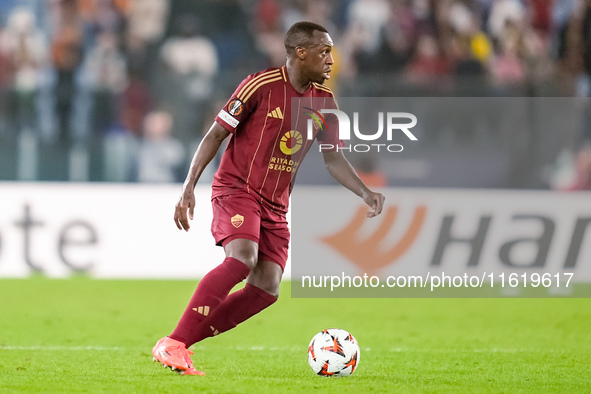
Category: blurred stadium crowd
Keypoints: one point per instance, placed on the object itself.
(122, 90)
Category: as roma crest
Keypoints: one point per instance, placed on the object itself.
(237, 220)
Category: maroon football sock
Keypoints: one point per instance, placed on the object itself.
(236, 308)
(211, 291)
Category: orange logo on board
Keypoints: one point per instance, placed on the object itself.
(365, 252)
(237, 220)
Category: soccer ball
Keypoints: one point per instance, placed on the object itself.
(333, 352)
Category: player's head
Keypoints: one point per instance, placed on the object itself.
(309, 45)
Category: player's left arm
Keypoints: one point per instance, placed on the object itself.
(340, 169)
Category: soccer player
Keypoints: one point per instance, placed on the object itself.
(251, 190)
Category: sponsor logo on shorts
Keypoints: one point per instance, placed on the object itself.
(235, 107)
(237, 220)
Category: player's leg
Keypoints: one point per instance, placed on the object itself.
(260, 292)
(262, 284)
(267, 277)
(241, 256)
(239, 239)
(236, 227)
(212, 290)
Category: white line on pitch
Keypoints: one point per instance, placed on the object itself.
(262, 348)
(66, 348)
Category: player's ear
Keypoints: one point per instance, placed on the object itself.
(300, 52)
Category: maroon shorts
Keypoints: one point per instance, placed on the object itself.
(241, 216)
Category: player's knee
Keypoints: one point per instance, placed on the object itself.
(248, 259)
(267, 277)
(244, 251)
(275, 292)
(273, 288)
(246, 254)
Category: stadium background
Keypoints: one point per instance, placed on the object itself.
(78, 80)
(103, 102)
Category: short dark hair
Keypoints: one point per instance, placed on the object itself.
(300, 35)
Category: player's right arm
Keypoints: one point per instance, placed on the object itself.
(236, 110)
(206, 151)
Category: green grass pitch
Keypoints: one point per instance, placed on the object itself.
(83, 335)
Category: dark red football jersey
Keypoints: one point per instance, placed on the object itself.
(268, 141)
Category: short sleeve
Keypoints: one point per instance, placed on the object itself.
(330, 136)
(239, 106)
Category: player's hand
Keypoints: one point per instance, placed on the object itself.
(184, 209)
(375, 201)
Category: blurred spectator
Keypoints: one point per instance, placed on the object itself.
(503, 12)
(268, 32)
(139, 56)
(23, 53)
(135, 55)
(6, 8)
(66, 48)
(147, 19)
(468, 46)
(267, 16)
(135, 102)
(190, 64)
(226, 23)
(566, 56)
(146, 24)
(541, 16)
(5, 72)
(270, 45)
(581, 40)
(190, 51)
(428, 64)
(460, 18)
(160, 156)
(5, 62)
(102, 15)
(582, 179)
(398, 39)
(366, 20)
(105, 69)
(368, 17)
(320, 11)
(562, 12)
(466, 64)
(508, 68)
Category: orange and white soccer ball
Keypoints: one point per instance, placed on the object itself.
(333, 352)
